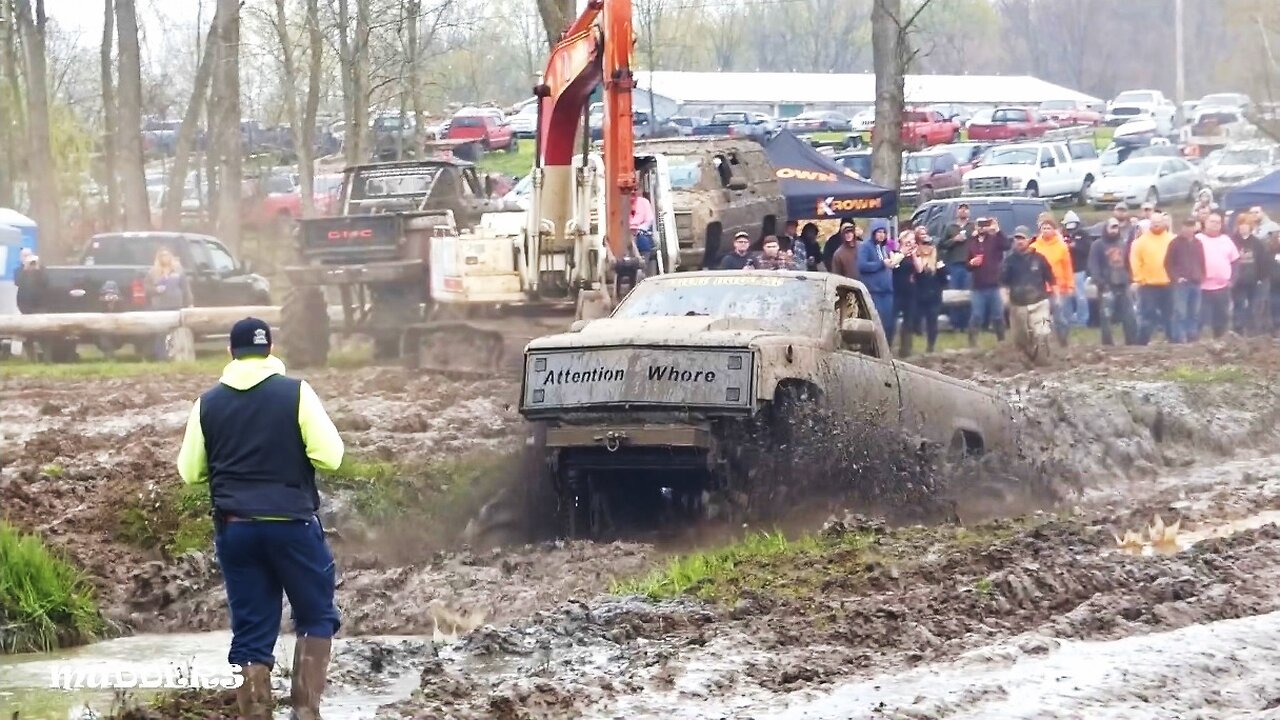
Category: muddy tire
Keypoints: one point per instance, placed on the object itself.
(304, 332)
(526, 510)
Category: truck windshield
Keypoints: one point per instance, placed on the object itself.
(1241, 157)
(393, 182)
(779, 303)
(1011, 156)
(728, 118)
(1135, 97)
(685, 171)
(128, 249)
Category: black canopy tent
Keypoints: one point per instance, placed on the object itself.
(818, 188)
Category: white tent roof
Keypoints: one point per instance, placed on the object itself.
(725, 88)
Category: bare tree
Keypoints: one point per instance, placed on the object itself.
(110, 171)
(359, 129)
(224, 103)
(556, 17)
(40, 166)
(133, 185)
(187, 132)
(346, 64)
(306, 138)
(10, 100)
(892, 56)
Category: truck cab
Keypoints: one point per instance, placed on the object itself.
(1044, 169)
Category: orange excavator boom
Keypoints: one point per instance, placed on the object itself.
(595, 50)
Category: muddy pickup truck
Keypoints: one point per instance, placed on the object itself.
(650, 403)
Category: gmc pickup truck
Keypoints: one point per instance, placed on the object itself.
(697, 380)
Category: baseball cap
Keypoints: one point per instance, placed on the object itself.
(741, 233)
(1121, 206)
(964, 205)
(250, 337)
(1148, 206)
(1022, 231)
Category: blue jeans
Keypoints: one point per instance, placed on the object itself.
(1217, 310)
(959, 278)
(1186, 312)
(260, 560)
(1061, 309)
(1081, 301)
(1155, 309)
(986, 309)
(884, 308)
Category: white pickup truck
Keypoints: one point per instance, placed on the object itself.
(1039, 169)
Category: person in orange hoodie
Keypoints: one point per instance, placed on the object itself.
(1146, 263)
(1051, 245)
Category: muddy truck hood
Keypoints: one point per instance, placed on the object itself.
(692, 330)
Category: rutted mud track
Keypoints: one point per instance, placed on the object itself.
(1132, 432)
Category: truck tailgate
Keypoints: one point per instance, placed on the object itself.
(640, 376)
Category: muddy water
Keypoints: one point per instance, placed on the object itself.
(355, 691)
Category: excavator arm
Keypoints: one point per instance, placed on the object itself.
(594, 50)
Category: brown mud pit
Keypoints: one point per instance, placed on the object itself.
(1180, 431)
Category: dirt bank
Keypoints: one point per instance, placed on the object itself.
(78, 452)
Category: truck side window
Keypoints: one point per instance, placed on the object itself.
(722, 168)
(222, 260)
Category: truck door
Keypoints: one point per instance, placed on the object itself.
(229, 284)
(862, 375)
(1066, 180)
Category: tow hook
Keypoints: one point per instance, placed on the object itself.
(612, 440)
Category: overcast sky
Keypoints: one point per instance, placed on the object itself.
(84, 17)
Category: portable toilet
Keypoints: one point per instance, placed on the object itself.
(9, 250)
(10, 246)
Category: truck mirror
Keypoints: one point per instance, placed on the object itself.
(857, 332)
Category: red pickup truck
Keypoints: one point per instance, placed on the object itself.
(1012, 123)
(926, 128)
(493, 133)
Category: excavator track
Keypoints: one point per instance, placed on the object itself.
(474, 348)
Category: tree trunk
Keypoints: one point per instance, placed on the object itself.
(556, 16)
(289, 71)
(10, 100)
(133, 183)
(224, 101)
(40, 167)
(886, 143)
(306, 140)
(360, 84)
(347, 66)
(110, 170)
(415, 76)
(187, 133)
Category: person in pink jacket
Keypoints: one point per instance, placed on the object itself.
(1220, 256)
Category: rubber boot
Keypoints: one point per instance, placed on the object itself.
(310, 667)
(253, 697)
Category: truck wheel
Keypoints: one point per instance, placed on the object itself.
(1153, 196)
(514, 145)
(926, 194)
(1033, 190)
(955, 138)
(304, 335)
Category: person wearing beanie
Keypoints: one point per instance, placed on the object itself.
(1079, 241)
(256, 439)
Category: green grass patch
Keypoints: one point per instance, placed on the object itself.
(516, 164)
(1225, 374)
(172, 518)
(442, 491)
(45, 602)
(91, 369)
(769, 563)
(1102, 136)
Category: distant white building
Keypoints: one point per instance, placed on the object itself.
(788, 94)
